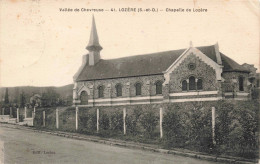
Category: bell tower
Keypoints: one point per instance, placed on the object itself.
(94, 47)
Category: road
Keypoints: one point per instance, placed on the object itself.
(23, 146)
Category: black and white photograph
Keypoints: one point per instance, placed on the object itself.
(129, 82)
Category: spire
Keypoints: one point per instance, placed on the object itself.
(93, 44)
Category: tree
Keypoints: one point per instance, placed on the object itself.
(50, 98)
(6, 101)
(22, 100)
(16, 96)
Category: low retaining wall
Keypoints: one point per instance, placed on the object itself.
(12, 121)
(4, 118)
(27, 121)
(8, 119)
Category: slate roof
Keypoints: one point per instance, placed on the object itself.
(149, 64)
(230, 65)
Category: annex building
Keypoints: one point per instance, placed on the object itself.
(191, 74)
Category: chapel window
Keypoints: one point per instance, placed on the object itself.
(100, 91)
(184, 85)
(241, 83)
(138, 88)
(158, 85)
(192, 84)
(118, 90)
(199, 84)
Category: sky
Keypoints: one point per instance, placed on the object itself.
(42, 46)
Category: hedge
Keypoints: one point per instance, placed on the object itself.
(185, 125)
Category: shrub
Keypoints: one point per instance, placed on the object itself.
(92, 121)
(117, 121)
(132, 121)
(149, 122)
(104, 121)
(174, 130)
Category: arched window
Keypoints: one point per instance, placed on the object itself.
(138, 89)
(241, 83)
(100, 91)
(158, 85)
(83, 98)
(192, 83)
(199, 84)
(184, 85)
(118, 90)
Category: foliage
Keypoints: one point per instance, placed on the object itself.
(149, 122)
(255, 94)
(104, 121)
(22, 100)
(173, 127)
(240, 121)
(200, 133)
(186, 125)
(50, 98)
(92, 121)
(6, 101)
(132, 121)
(117, 121)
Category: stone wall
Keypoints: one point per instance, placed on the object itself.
(211, 88)
(128, 86)
(202, 71)
(229, 83)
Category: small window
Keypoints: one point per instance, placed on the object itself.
(184, 85)
(158, 85)
(100, 91)
(118, 90)
(199, 84)
(192, 66)
(241, 83)
(138, 89)
(192, 84)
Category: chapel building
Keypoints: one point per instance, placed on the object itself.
(191, 74)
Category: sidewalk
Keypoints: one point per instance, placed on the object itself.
(134, 145)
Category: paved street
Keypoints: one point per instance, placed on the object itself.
(23, 146)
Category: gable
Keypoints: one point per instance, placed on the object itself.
(83, 88)
(201, 70)
(200, 55)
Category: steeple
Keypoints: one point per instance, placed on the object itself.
(93, 47)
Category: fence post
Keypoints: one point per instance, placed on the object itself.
(57, 118)
(3, 111)
(97, 120)
(213, 124)
(77, 119)
(33, 118)
(124, 115)
(17, 114)
(43, 118)
(11, 112)
(34, 112)
(161, 120)
(25, 112)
